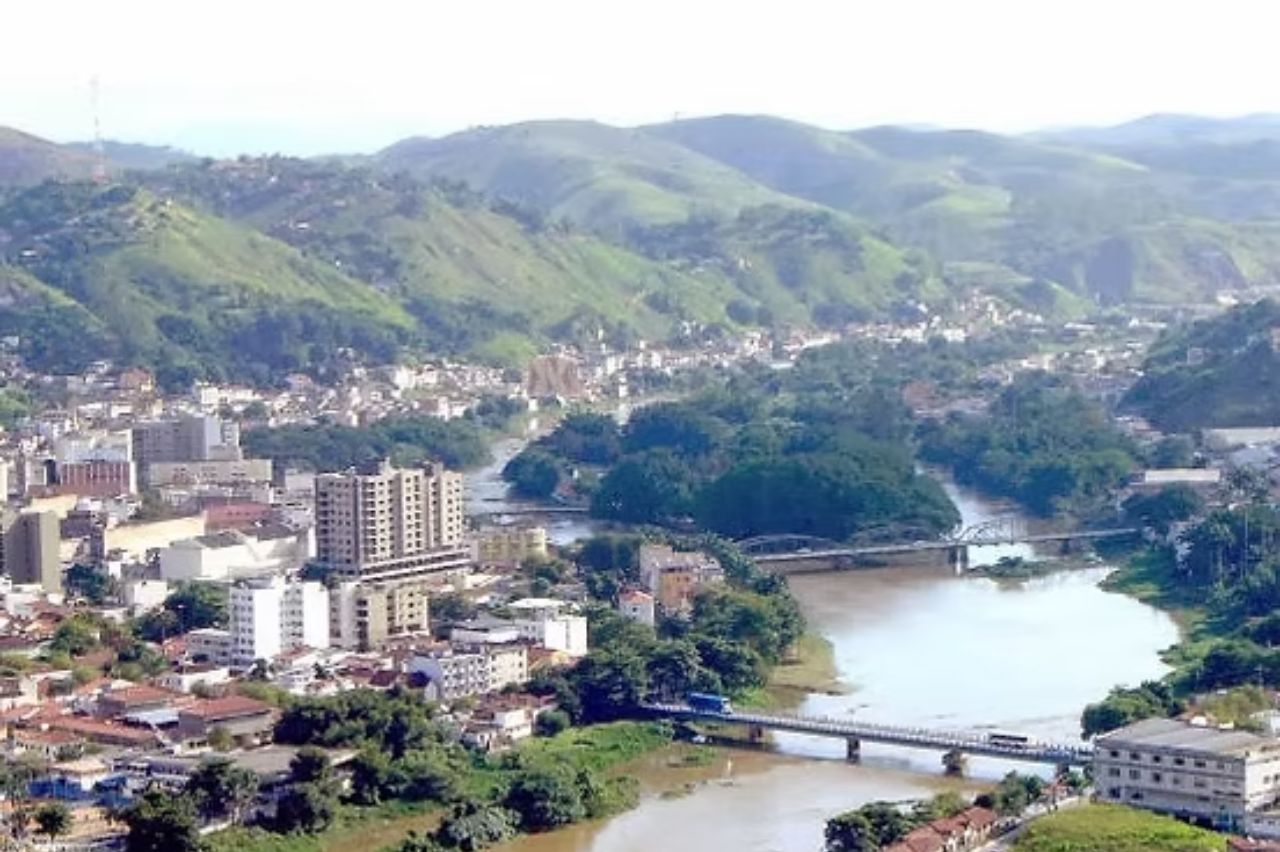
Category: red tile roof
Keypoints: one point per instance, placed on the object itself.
(228, 707)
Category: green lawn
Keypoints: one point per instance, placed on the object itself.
(1109, 828)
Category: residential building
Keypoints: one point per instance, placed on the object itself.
(365, 614)
(144, 595)
(1190, 770)
(186, 678)
(272, 615)
(209, 472)
(381, 521)
(460, 671)
(390, 532)
(454, 673)
(510, 546)
(211, 644)
(29, 549)
(637, 606)
(245, 719)
(184, 439)
(674, 577)
(545, 622)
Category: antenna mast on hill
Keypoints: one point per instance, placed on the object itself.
(99, 158)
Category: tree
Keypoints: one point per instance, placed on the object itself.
(53, 820)
(220, 788)
(546, 797)
(310, 765)
(610, 683)
(551, 722)
(160, 822)
(306, 808)
(1161, 510)
(533, 473)
(850, 832)
(471, 826)
(653, 487)
(88, 582)
(220, 738)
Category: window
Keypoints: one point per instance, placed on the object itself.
(1133, 755)
(1134, 774)
(1155, 776)
(1113, 772)
(1178, 761)
(1155, 758)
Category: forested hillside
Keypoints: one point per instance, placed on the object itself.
(1223, 371)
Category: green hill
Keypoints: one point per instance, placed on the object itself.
(495, 277)
(602, 178)
(1180, 225)
(164, 285)
(1223, 371)
(27, 159)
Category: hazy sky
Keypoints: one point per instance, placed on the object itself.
(308, 77)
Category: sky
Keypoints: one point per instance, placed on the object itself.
(228, 76)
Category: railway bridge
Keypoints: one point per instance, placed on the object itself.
(819, 554)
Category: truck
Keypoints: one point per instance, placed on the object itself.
(708, 702)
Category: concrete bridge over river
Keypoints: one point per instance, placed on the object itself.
(808, 553)
(854, 733)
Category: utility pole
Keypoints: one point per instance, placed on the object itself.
(99, 158)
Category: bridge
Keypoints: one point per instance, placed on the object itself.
(854, 733)
(528, 512)
(767, 549)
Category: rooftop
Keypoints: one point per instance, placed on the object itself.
(1176, 734)
(230, 707)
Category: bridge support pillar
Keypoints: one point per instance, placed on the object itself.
(958, 558)
(853, 750)
(954, 762)
(755, 734)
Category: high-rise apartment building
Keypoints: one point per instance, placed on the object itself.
(382, 521)
(29, 549)
(271, 615)
(387, 531)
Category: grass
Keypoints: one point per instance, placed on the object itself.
(355, 830)
(1110, 828)
(811, 667)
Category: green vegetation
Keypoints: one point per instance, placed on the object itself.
(1110, 828)
(406, 440)
(1223, 371)
(823, 450)
(1227, 588)
(1040, 442)
(879, 824)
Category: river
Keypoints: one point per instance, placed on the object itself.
(914, 645)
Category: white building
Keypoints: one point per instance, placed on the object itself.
(210, 643)
(545, 622)
(272, 615)
(1175, 767)
(459, 672)
(637, 606)
(230, 555)
(144, 595)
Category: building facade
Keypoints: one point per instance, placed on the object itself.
(29, 543)
(389, 532)
(272, 615)
(1188, 770)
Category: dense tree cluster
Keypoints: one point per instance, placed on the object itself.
(820, 453)
(1228, 565)
(405, 440)
(1222, 371)
(879, 824)
(1040, 443)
